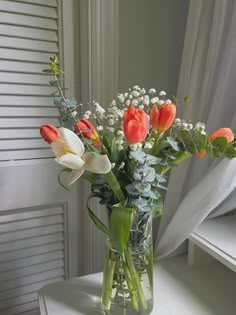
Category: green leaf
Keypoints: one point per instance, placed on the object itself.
(114, 151)
(230, 152)
(200, 141)
(157, 207)
(99, 224)
(47, 71)
(186, 99)
(67, 170)
(55, 82)
(174, 144)
(120, 226)
(219, 144)
(188, 141)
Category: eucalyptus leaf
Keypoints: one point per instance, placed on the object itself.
(160, 178)
(139, 156)
(152, 160)
(174, 144)
(142, 186)
(132, 190)
(55, 82)
(153, 194)
(157, 207)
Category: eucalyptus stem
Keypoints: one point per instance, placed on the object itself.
(178, 160)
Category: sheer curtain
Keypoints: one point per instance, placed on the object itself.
(203, 188)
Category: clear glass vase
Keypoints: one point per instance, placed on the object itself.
(128, 279)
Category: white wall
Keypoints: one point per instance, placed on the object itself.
(151, 34)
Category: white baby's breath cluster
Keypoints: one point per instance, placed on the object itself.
(182, 124)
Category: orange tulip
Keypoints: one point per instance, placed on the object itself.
(221, 132)
(135, 125)
(49, 133)
(87, 130)
(162, 118)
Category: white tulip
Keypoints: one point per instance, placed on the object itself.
(69, 152)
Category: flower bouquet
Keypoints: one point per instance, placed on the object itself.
(125, 151)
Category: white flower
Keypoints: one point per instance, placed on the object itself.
(122, 164)
(142, 91)
(177, 120)
(146, 100)
(110, 129)
(147, 145)
(69, 152)
(120, 147)
(185, 125)
(190, 126)
(168, 101)
(99, 128)
(135, 93)
(120, 133)
(141, 106)
(113, 103)
(113, 165)
(99, 108)
(154, 100)
(110, 122)
(127, 102)
(135, 102)
(162, 93)
(136, 87)
(139, 145)
(119, 141)
(152, 91)
(203, 132)
(160, 102)
(133, 147)
(121, 98)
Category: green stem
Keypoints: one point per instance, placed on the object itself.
(136, 280)
(157, 138)
(150, 267)
(178, 160)
(109, 268)
(90, 177)
(114, 185)
(131, 288)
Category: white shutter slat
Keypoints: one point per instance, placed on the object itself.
(27, 32)
(16, 100)
(22, 309)
(30, 261)
(19, 133)
(30, 223)
(50, 3)
(28, 9)
(27, 288)
(22, 214)
(22, 144)
(28, 44)
(27, 122)
(17, 235)
(26, 154)
(28, 112)
(26, 89)
(30, 270)
(23, 78)
(32, 279)
(31, 251)
(24, 55)
(18, 300)
(27, 20)
(26, 67)
(34, 241)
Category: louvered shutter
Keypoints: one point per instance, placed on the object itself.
(32, 240)
(29, 35)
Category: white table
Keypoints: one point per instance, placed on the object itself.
(179, 290)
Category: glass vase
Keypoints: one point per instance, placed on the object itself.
(128, 279)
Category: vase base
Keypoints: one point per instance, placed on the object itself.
(119, 309)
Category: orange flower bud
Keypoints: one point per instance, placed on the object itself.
(87, 130)
(162, 118)
(221, 132)
(135, 125)
(49, 133)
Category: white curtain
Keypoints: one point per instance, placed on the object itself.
(203, 188)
